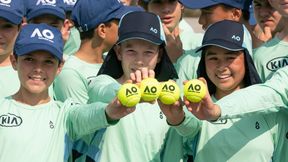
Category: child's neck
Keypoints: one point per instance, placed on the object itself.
(283, 34)
(4, 60)
(31, 99)
(90, 54)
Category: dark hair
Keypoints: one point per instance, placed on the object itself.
(90, 33)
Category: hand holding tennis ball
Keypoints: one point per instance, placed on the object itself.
(150, 89)
(170, 92)
(195, 90)
(129, 95)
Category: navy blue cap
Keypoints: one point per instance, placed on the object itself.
(35, 8)
(146, 26)
(12, 10)
(37, 37)
(198, 4)
(149, 28)
(88, 14)
(228, 34)
(69, 4)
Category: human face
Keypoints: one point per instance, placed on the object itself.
(136, 54)
(281, 6)
(226, 69)
(111, 34)
(267, 16)
(170, 12)
(48, 19)
(212, 14)
(8, 34)
(36, 71)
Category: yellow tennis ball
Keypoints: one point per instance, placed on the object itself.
(150, 89)
(194, 90)
(170, 92)
(129, 95)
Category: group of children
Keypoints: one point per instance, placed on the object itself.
(65, 108)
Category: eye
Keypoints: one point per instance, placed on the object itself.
(50, 62)
(28, 59)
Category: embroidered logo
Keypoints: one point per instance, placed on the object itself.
(257, 125)
(10, 120)
(44, 34)
(5, 3)
(237, 38)
(51, 125)
(46, 2)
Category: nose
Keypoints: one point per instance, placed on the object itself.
(201, 20)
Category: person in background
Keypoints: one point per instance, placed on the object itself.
(271, 56)
(11, 15)
(179, 34)
(73, 42)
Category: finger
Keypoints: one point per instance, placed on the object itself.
(184, 82)
(144, 72)
(151, 73)
(267, 32)
(133, 77)
(138, 76)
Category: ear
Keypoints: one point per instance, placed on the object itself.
(13, 61)
(117, 49)
(101, 31)
(65, 30)
(60, 66)
(236, 14)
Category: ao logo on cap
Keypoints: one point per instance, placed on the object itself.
(235, 37)
(154, 30)
(5, 3)
(45, 2)
(70, 2)
(44, 34)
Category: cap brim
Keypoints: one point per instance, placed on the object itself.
(164, 70)
(37, 47)
(15, 19)
(194, 4)
(142, 36)
(221, 43)
(56, 12)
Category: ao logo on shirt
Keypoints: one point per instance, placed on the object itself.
(45, 34)
(5, 3)
(46, 2)
(10, 120)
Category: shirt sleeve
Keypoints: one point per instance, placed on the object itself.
(262, 98)
(85, 119)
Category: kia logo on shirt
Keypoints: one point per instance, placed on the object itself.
(10, 120)
(277, 63)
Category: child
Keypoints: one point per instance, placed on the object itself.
(11, 15)
(211, 12)
(34, 127)
(97, 22)
(179, 34)
(272, 55)
(143, 135)
(227, 66)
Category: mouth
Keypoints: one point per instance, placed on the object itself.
(37, 78)
(167, 19)
(223, 76)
